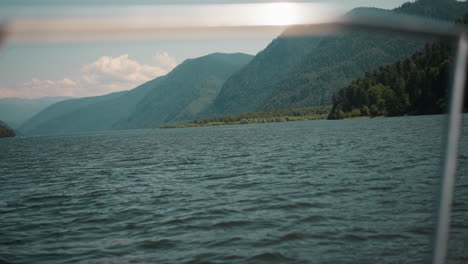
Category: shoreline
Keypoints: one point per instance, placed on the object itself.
(360, 117)
(242, 122)
(277, 120)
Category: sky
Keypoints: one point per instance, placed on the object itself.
(89, 67)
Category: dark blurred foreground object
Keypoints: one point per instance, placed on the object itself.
(6, 131)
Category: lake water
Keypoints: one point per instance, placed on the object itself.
(351, 191)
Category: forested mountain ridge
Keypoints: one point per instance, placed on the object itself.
(441, 9)
(247, 89)
(325, 64)
(414, 86)
(186, 92)
(179, 95)
(338, 60)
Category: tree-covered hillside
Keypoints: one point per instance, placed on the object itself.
(414, 86)
(247, 89)
(6, 131)
(441, 9)
(185, 92)
(319, 66)
(340, 59)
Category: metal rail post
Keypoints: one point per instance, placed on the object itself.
(451, 154)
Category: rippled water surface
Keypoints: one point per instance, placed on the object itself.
(352, 191)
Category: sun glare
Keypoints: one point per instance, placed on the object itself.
(279, 14)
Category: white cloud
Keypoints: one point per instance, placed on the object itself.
(104, 75)
(165, 61)
(121, 69)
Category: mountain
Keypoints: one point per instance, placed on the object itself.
(72, 115)
(317, 67)
(415, 86)
(176, 97)
(6, 131)
(186, 92)
(448, 10)
(15, 111)
(243, 91)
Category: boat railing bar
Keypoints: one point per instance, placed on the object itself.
(451, 152)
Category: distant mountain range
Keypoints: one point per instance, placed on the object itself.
(290, 72)
(178, 96)
(15, 111)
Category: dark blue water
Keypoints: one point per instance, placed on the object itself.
(352, 191)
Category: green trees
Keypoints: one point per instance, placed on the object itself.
(283, 115)
(5, 131)
(414, 86)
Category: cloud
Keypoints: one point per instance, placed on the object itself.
(37, 83)
(112, 74)
(121, 69)
(105, 75)
(165, 61)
